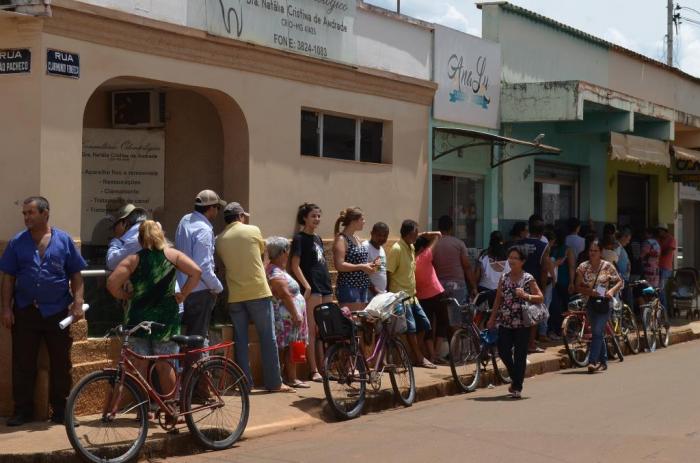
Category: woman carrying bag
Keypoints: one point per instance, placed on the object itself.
(517, 297)
(598, 282)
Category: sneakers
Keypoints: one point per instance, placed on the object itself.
(19, 420)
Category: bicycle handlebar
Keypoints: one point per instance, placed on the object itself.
(147, 326)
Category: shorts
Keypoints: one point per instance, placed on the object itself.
(146, 346)
(348, 295)
(435, 309)
(416, 320)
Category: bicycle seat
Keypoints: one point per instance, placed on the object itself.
(194, 341)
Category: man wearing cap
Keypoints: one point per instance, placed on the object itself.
(668, 247)
(41, 285)
(126, 234)
(195, 237)
(241, 248)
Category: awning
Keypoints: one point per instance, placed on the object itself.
(625, 147)
(686, 165)
(510, 148)
(686, 154)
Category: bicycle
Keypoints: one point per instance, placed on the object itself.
(469, 352)
(107, 412)
(346, 370)
(624, 325)
(654, 316)
(576, 332)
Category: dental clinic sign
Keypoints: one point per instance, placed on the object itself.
(468, 74)
(318, 28)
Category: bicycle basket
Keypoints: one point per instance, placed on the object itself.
(397, 324)
(332, 324)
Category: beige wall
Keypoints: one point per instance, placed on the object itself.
(194, 147)
(276, 178)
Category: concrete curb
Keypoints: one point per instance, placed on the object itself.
(183, 444)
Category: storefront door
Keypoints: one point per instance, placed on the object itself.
(556, 192)
(633, 201)
(462, 198)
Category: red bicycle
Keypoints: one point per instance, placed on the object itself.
(576, 331)
(108, 411)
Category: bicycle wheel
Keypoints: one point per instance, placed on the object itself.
(464, 359)
(663, 326)
(398, 363)
(500, 372)
(616, 350)
(344, 381)
(630, 330)
(649, 326)
(576, 346)
(107, 420)
(216, 404)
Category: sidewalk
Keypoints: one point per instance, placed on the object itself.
(271, 413)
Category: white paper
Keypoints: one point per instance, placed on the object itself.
(63, 324)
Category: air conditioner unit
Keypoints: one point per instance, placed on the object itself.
(133, 109)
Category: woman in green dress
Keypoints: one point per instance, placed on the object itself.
(152, 295)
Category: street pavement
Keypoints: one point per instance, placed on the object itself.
(642, 410)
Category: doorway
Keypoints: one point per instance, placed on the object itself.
(556, 192)
(462, 198)
(633, 201)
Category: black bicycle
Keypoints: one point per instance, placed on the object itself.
(470, 349)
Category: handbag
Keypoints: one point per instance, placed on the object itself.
(534, 314)
(598, 304)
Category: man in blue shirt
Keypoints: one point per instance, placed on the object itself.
(126, 235)
(41, 267)
(535, 265)
(195, 238)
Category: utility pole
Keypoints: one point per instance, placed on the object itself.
(669, 33)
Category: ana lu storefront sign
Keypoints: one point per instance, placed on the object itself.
(318, 28)
(468, 73)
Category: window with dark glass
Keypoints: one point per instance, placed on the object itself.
(309, 133)
(338, 137)
(371, 141)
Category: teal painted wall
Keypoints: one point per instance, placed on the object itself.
(474, 161)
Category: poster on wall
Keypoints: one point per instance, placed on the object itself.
(119, 167)
(318, 28)
(468, 74)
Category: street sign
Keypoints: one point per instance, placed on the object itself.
(62, 63)
(15, 61)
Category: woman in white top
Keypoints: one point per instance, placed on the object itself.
(492, 264)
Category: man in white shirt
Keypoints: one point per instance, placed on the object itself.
(375, 253)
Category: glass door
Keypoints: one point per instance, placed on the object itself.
(462, 198)
(556, 192)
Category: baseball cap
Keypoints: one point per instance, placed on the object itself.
(208, 198)
(125, 210)
(233, 209)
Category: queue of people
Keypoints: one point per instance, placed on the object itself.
(276, 284)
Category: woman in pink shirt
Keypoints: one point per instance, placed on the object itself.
(430, 294)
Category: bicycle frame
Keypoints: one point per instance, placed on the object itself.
(128, 369)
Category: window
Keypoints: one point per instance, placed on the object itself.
(339, 137)
(462, 198)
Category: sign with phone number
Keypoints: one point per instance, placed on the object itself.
(317, 28)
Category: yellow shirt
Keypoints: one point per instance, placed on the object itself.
(241, 247)
(401, 265)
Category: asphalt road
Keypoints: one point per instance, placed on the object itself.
(643, 410)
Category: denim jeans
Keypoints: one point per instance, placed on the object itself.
(664, 276)
(548, 294)
(512, 348)
(599, 351)
(261, 313)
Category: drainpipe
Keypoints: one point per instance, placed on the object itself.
(30, 7)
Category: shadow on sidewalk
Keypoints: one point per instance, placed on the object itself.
(34, 426)
(498, 398)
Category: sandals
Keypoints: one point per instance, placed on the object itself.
(316, 377)
(283, 388)
(536, 350)
(427, 364)
(299, 384)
